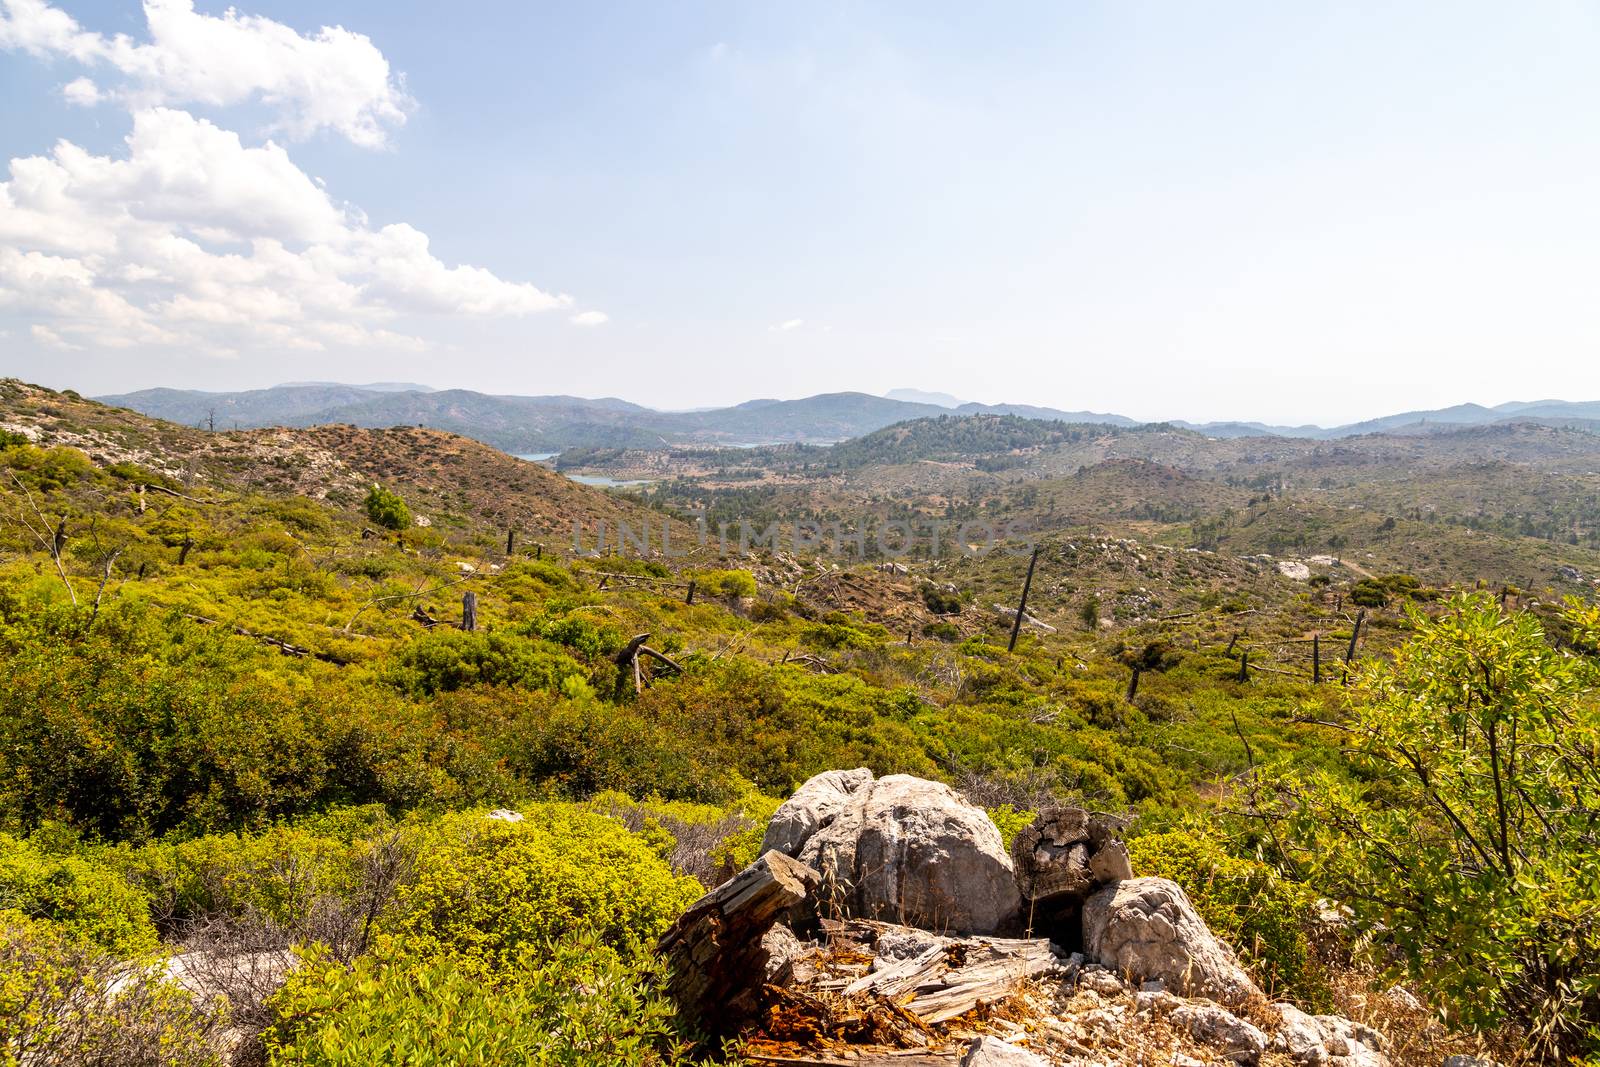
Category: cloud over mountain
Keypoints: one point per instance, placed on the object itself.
(191, 237)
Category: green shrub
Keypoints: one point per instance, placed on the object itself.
(485, 890)
(1246, 903)
(387, 509)
(574, 1004)
(1010, 822)
(940, 602)
(86, 903)
(730, 585)
(1464, 826)
(57, 1006)
(445, 659)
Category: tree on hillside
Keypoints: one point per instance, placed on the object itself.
(387, 509)
(1466, 836)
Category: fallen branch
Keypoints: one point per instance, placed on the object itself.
(403, 596)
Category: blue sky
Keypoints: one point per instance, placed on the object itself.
(1270, 211)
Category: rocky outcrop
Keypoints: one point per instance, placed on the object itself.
(1233, 1038)
(1145, 928)
(1326, 1040)
(889, 870)
(898, 849)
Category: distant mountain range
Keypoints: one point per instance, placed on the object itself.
(530, 424)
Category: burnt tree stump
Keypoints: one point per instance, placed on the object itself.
(715, 951)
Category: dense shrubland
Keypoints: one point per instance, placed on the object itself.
(240, 736)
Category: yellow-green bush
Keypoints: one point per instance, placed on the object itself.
(1247, 903)
(484, 889)
(576, 1004)
(85, 903)
(62, 1001)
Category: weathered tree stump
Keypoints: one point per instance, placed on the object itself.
(1060, 860)
(714, 950)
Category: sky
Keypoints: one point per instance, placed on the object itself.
(1280, 212)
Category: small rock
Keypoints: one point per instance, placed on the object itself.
(1111, 863)
(992, 1052)
(505, 815)
(1401, 997)
(1237, 1040)
(1470, 1061)
(782, 949)
(1101, 981)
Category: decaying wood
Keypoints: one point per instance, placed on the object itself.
(873, 1058)
(950, 978)
(278, 643)
(714, 950)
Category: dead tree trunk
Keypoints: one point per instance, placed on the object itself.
(1355, 635)
(689, 597)
(1133, 684)
(183, 550)
(1234, 640)
(1244, 666)
(1316, 659)
(469, 611)
(715, 951)
(1022, 604)
(511, 541)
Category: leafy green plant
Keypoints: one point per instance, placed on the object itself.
(485, 890)
(1467, 833)
(62, 1001)
(83, 902)
(386, 508)
(574, 1003)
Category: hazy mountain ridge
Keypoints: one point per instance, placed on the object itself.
(552, 423)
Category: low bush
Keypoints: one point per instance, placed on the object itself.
(64, 1002)
(573, 1004)
(485, 890)
(87, 904)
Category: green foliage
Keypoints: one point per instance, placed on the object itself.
(44, 470)
(64, 1002)
(1468, 832)
(387, 509)
(146, 724)
(728, 584)
(446, 659)
(1244, 901)
(573, 1004)
(940, 601)
(1010, 822)
(85, 903)
(485, 890)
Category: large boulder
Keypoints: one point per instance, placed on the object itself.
(1145, 928)
(899, 849)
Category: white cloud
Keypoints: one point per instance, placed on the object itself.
(590, 318)
(81, 91)
(46, 336)
(787, 325)
(334, 79)
(194, 239)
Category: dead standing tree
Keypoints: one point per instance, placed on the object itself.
(53, 542)
(1022, 604)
